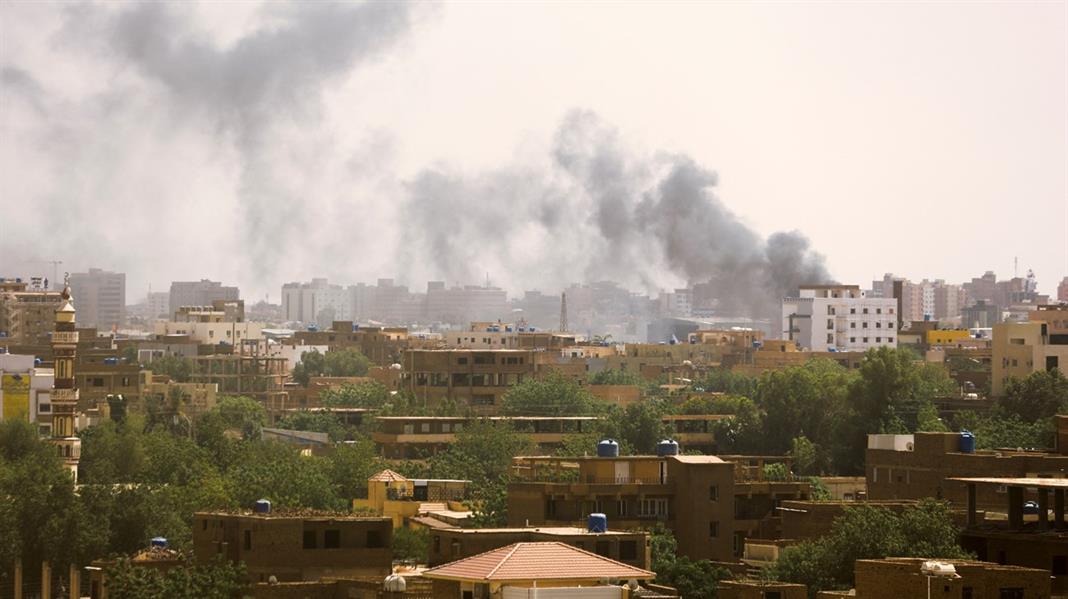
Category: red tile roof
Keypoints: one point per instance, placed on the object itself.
(388, 476)
(536, 561)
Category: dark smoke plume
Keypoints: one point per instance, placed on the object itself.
(596, 212)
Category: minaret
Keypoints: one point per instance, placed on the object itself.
(64, 390)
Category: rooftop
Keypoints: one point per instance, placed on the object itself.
(536, 561)
(290, 513)
(1038, 483)
(545, 530)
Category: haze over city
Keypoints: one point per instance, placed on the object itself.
(261, 143)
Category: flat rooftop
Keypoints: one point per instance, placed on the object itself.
(287, 514)
(1040, 483)
(545, 530)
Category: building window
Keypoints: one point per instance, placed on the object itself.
(374, 539)
(852, 339)
(332, 539)
(852, 310)
(437, 543)
(864, 325)
(653, 508)
(713, 530)
(713, 493)
(621, 507)
(852, 325)
(44, 408)
(878, 339)
(865, 310)
(628, 550)
(1011, 593)
(878, 325)
(461, 360)
(830, 323)
(878, 310)
(248, 540)
(309, 539)
(889, 339)
(603, 548)
(830, 337)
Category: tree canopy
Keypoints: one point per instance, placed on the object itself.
(552, 395)
(337, 362)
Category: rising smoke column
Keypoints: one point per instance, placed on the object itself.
(261, 94)
(596, 210)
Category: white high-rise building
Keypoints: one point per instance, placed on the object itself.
(839, 318)
(317, 302)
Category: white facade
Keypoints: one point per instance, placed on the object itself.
(839, 318)
(293, 352)
(211, 332)
(317, 302)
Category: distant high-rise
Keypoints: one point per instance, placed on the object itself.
(1062, 290)
(199, 293)
(101, 297)
(317, 301)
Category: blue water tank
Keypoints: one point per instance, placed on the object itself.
(158, 542)
(597, 523)
(262, 506)
(667, 447)
(607, 448)
(37, 361)
(1029, 507)
(967, 442)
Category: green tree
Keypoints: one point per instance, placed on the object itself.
(638, 427)
(806, 456)
(612, 376)
(218, 580)
(808, 400)
(692, 578)
(243, 414)
(277, 471)
(372, 395)
(351, 465)
(179, 368)
(723, 380)
(552, 395)
(338, 362)
(1038, 396)
(925, 530)
(411, 544)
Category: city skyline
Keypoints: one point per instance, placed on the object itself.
(338, 202)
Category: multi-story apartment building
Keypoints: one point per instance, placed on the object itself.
(413, 437)
(101, 372)
(1021, 348)
(381, 345)
(1062, 290)
(258, 376)
(839, 317)
(296, 547)
(317, 302)
(26, 313)
(218, 311)
(199, 293)
(461, 305)
(711, 504)
(479, 378)
(101, 298)
(920, 465)
(209, 332)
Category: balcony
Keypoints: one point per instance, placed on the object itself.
(66, 337)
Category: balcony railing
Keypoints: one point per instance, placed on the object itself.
(624, 480)
(65, 337)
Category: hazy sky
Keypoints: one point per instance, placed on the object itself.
(263, 143)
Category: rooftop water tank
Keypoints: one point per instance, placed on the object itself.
(967, 442)
(667, 447)
(395, 583)
(597, 523)
(160, 542)
(1030, 507)
(262, 506)
(607, 448)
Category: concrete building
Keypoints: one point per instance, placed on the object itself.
(1034, 536)
(26, 312)
(896, 577)
(382, 345)
(919, 465)
(760, 589)
(25, 390)
(417, 437)
(981, 315)
(711, 504)
(199, 293)
(1062, 290)
(258, 376)
(1022, 348)
(210, 333)
(461, 305)
(479, 379)
(317, 302)
(839, 318)
(296, 547)
(101, 298)
(451, 544)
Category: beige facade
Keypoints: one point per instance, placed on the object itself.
(711, 504)
(26, 316)
(1022, 348)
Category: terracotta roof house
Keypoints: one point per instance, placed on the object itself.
(553, 568)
